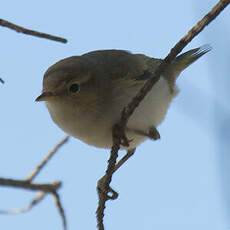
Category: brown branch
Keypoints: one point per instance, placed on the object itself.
(50, 187)
(100, 184)
(60, 209)
(35, 201)
(119, 128)
(23, 30)
(102, 194)
(47, 158)
(43, 188)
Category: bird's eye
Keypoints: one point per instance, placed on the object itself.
(74, 88)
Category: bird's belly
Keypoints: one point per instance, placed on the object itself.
(153, 108)
(98, 133)
(82, 125)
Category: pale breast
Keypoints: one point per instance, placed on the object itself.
(82, 124)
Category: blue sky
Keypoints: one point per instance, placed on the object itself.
(179, 182)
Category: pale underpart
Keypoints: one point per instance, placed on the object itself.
(81, 124)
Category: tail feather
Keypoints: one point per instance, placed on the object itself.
(184, 60)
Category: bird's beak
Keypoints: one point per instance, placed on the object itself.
(45, 96)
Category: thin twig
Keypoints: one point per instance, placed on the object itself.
(23, 30)
(130, 108)
(60, 209)
(43, 188)
(50, 187)
(112, 195)
(124, 159)
(47, 158)
(35, 201)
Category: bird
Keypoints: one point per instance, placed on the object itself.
(86, 94)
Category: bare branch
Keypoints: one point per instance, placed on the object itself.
(100, 184)
(47, 158)
(50, 187)
(60, 209)
(124, 159)
(23, 30)
(119, 128)
(35, 201)
(43, 188)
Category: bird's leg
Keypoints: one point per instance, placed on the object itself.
(152, 133)
(112, 195)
